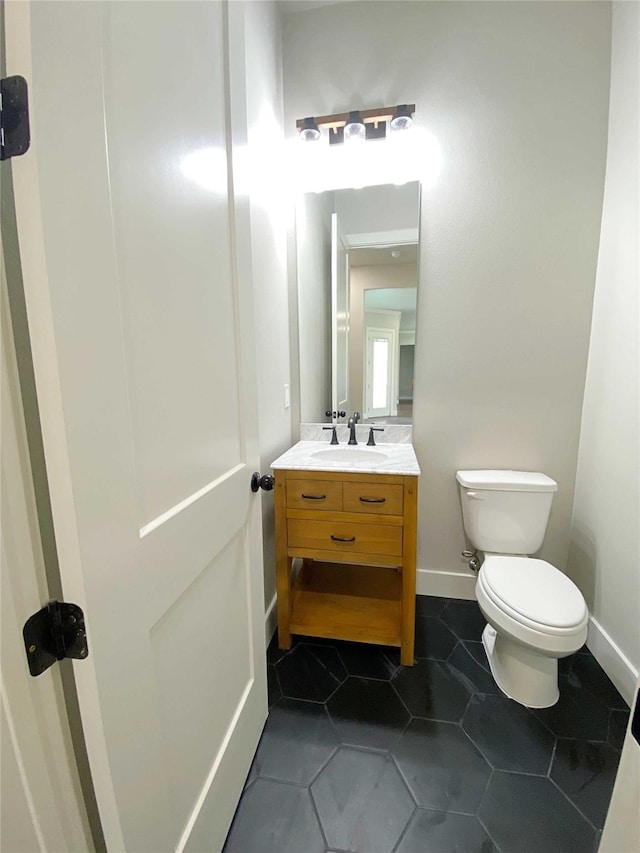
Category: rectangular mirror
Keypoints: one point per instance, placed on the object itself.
(357, 259)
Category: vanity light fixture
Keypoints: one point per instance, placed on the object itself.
(309, 130)
(357, 125)
(402, 118)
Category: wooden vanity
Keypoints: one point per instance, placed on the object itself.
(356, 536)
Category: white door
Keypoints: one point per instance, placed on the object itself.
(141, 327)
(339, 318)
(379, 371)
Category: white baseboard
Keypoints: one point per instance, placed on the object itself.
(271, 619)
(614, 662)
(445, 584)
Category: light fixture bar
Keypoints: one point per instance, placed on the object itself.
(368, 117)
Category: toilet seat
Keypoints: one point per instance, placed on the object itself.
(534, 593)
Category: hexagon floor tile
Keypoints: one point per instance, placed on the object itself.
(465, 619)
(442, 831)
(296, 743)
(528, 814)
(578, 713)
(430, 605)
(586, 772)
(487, 774)
(587, 673)
(275, 818)
(508, 735)
(362, 802)
(618, 721)
(369, 661)
(273, 686)
(433, 638)
(433, 689)
(310, 672)
(367, 713)
(471, 662)
(443, 769)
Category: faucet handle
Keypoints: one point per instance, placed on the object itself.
(334, 437)
(371, 442)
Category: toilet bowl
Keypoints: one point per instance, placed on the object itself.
(535, 613)
(535, 616)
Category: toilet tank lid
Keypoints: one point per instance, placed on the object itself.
(512, 481)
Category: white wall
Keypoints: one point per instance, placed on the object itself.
(517, 96)
(605, 545)
(313, 232)
(374, 209)
(270, 213)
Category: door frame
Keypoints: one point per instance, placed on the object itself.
(46, 744)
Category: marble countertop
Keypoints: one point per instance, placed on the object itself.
(321, 456)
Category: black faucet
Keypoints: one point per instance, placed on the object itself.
(334, 437)
(371, 442)
(351, 423)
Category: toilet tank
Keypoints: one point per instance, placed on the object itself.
(506, 512)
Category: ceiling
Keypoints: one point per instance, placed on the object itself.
(373, 256)
(289, 6)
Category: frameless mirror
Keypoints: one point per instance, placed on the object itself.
(357, 261)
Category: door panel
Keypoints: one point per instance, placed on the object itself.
(144, 363)
(193, 722)
(172, 246)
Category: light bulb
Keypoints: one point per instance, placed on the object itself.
(354, 129)
(309, 132)
(402, 119)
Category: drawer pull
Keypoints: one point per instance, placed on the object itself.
(373, 500)
(343, 538)
(313, 497)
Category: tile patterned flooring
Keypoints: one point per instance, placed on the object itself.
(363, 755)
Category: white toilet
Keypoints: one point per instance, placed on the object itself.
(536, 614)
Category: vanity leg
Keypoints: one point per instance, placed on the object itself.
(283, 583)
(283, 565)
(408, 626)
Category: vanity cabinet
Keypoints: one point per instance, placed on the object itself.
(356, 536)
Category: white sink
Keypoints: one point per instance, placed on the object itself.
(352, 455)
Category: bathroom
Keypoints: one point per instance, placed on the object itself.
(515, 241)
(510, 234)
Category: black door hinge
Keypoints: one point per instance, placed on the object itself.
(15, 135)
(53, 633)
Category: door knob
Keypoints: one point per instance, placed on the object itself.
(265, 482)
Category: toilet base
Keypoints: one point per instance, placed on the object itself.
(522, 673)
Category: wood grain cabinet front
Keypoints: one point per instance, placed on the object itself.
(356, 537)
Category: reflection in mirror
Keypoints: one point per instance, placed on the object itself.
(357, 257)
(388, 345)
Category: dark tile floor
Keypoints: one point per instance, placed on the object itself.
(363, 755)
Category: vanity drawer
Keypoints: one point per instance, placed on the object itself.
(345, 536)
(382, 498)
(307, 493)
